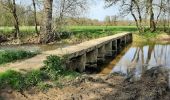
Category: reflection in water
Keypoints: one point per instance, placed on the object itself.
(137, 60)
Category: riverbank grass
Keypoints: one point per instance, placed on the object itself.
(7, 56)
(53, 71)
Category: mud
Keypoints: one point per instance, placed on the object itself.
(153, 85)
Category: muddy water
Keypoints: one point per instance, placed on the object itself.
(137, 58)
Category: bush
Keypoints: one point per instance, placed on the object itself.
(33, 78)
(53, 67)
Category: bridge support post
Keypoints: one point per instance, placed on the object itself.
(114, 47)
(131, 38)
(119, 46)
(123, 41)
(77, 63)
(101, 53)
(91, 58)
(108, 48)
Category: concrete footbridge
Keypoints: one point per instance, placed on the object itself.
(78, 56)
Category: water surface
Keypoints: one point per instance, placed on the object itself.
(136, 59)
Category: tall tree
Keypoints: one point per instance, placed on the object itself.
(10, 6)
(152, 20)
(68, 9)
(46, 35)
(35, 17)
(133, 7)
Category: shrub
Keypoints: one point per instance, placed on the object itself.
(33, 78)
(53, 67)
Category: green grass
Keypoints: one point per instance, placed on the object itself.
(7, 56)
(101, 28)
(30, 29)
(24, 31)
(18, 81)
(90, 32)
(53, 71)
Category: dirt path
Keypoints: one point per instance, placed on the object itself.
(87, 88)
(25, 65)
(153, 85)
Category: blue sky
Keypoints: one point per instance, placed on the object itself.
(97, 10)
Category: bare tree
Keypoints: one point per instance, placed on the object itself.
(68, 9)
(35, 17)
(46, 35)
(10, 5)
(133, 7)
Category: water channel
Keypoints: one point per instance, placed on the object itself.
(137, 58)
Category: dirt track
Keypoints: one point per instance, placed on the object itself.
(152, 86)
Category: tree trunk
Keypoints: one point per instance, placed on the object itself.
(152, 21)
(16, 22)
(133, 15)
(35, 17)
(139, 15)
(46, 35)
(133, 4)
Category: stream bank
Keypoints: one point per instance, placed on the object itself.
(153, 85)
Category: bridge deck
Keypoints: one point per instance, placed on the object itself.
(73, 51)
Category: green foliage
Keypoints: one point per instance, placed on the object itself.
(19, 81)
(11, 78)
(53, 67)
(33, 78)
(13, 55)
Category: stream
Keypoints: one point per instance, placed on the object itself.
(136, 59)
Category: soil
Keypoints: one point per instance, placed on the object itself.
(153, 85)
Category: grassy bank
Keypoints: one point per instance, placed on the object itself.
(53, 71)
(30, 30)
(101, 28)
(13, 55)
(76, 34)
(23, 29)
